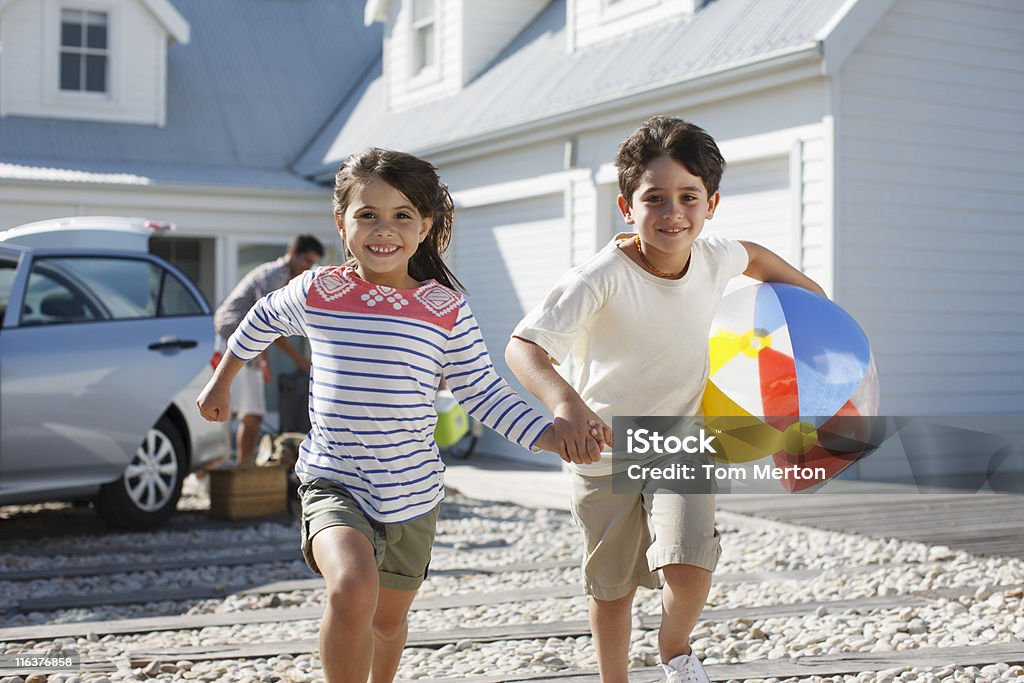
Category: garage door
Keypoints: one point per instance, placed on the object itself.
(508, 256)
(757, 206)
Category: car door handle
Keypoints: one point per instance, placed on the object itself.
(173, 343)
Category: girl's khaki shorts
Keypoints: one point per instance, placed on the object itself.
(402, 550)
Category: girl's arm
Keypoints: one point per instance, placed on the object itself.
(484, 394)
(214, 400)
(767, 266)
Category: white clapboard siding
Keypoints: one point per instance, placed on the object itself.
(756, 205)
(508, 256)
(930, 236)
(488, 26)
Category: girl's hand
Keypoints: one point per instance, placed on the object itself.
(579, 433)
(214, 401)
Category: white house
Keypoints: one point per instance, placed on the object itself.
(188, 111)
(876, 144)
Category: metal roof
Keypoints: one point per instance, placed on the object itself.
(535, 77)
(244, 98)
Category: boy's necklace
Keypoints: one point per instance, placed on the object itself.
(659, 273)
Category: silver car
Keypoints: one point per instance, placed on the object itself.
(102, 352)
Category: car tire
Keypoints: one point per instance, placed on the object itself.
(147, 493)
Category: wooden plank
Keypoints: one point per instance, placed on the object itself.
(818, 665)
(263, 616)
(533, 631)
(284, 554)
(203, 592)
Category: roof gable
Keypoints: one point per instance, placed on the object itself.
(177, 27)
(244, 98)
(535, 79)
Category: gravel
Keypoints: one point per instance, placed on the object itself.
(476, 534)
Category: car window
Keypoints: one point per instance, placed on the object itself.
(175, 299)
(8, 269)
(76, 289)
(56, 296)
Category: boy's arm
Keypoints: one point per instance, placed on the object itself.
(215, 399)
(532, 367)
(767, 266)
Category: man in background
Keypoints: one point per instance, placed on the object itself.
(248, 400)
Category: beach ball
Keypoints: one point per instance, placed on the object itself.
(793, 380)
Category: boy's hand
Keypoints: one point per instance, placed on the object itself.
(579, 433)
(214, 401)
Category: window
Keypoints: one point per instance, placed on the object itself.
(82, 289)
(8, 269)
(84, 55)
(424, 38)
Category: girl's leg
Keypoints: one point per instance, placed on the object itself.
(345, 558)
(390, 629)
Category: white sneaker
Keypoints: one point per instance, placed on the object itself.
(685, 669)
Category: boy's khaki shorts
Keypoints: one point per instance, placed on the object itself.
(620, 553)
(402, 550)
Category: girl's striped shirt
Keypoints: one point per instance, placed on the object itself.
(378, 356)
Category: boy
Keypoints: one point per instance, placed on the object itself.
(636, 318)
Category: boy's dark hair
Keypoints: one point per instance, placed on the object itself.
(300, 244)
(658, 136)
(419, 182)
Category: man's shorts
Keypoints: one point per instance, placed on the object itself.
(247, 393)
(629, 536)
(402, 550)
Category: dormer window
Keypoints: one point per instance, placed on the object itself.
(84, 52)
(424, 36)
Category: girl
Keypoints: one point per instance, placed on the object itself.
(385, 328)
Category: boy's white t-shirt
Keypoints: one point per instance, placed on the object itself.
(640, 342)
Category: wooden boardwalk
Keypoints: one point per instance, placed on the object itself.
(978, 523)
(990, 525)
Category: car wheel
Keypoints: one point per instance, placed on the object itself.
(147, 493)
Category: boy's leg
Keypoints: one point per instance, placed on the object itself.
(390, 629)
(611, 622)
(345, 557)
(686, 548)
(682, 599)
(615, 537)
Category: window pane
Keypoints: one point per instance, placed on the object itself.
(176, 299)
(70, 71)
(124, 287)
(424, 47)
(96, 36)
(96, 73)
(70, 34)
(55, 295)
(8, 269)
(422, 9)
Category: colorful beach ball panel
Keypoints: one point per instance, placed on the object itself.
(781, 350)
(785, 353)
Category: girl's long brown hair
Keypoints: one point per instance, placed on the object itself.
(419, 182)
